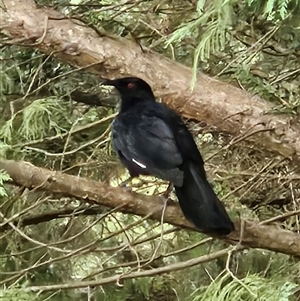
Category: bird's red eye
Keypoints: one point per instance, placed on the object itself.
(130, 85)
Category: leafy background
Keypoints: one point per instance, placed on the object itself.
(251, 44)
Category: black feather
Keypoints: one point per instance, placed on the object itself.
(151, 139)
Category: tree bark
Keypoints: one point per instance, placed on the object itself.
(255, 235)
(219, 104)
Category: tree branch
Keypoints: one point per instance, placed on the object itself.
(255, 235)
(50, 215)
(147, 273)
(219, 104)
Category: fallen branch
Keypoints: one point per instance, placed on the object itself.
(255, 235)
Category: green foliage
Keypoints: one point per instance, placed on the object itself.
(4, 177)
(212, 26)
(253, 43)
(34, 121)
(6, 84)
(274, 9)
(209, 27)
(3, 149)
(251, 288)
(16, 295)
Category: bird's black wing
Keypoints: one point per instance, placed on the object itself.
(148, 142)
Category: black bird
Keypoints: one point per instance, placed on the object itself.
(151, 139)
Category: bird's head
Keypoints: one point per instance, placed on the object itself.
(130, 87)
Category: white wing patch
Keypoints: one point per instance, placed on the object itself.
(139, 163)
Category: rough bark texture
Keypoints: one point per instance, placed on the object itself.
(219, 104)
(254, 235)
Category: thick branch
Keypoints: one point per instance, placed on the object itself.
(219, 104)
(254, 235)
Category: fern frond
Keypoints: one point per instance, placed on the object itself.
(283, 8)
(4, 177)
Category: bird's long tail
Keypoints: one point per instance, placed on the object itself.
(200, 204)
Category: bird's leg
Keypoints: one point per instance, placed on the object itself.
(165, 198)
(140, 184)
(165, 204)
(166, 194)
(125, 183)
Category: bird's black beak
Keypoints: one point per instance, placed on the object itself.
(108, 82)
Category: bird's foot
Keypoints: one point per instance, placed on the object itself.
(125, 183)
(166, 201)
(140, 183)
(128, 185)
(169, 189)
